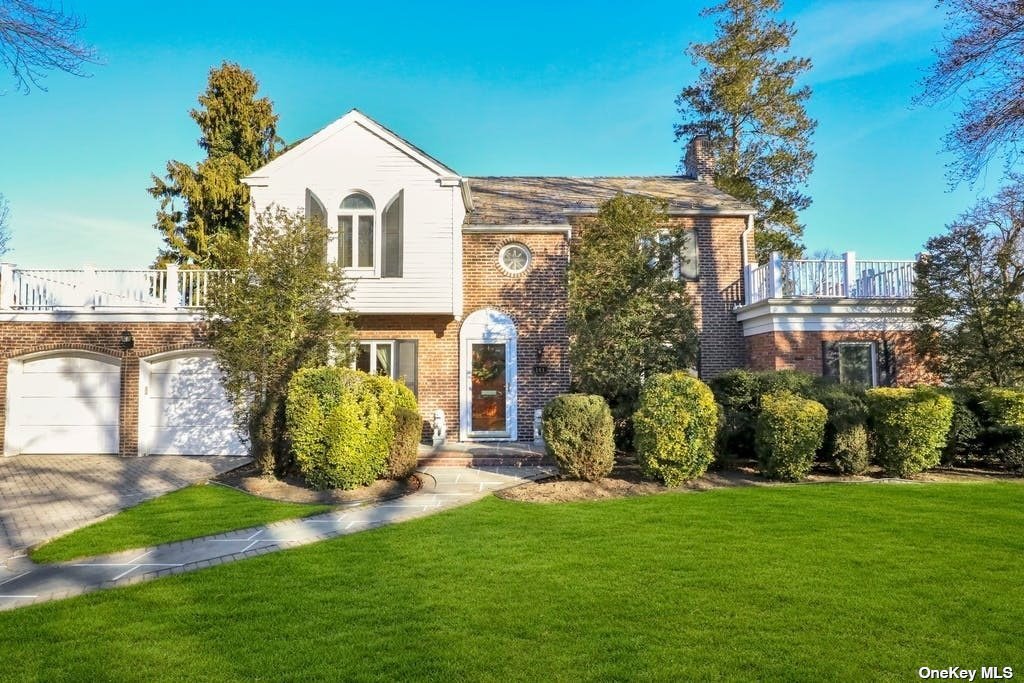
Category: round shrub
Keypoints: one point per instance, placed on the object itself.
(675, 428)
(851, 453)
(910, 428)
(342, 425)
(404, 451)
(579, 434)
(789, 432)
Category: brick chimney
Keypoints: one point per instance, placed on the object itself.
(700, 160)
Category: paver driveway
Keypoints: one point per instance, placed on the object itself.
(42, 496)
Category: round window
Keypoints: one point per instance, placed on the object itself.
(514, 258)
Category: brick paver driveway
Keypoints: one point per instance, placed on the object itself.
(42, 496)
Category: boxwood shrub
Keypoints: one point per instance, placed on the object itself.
(851, 452)
(845, 446)
(910, 428)
(964, 440)
(579, 434)
(790, 429)
(404, 451)
(1002, 438)
(341, 424)
(675, 427)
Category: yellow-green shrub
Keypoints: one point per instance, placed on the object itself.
(789, 432)
(675, 427)
(405, 445)
(910, 428)
(579, 434)
(341, 423)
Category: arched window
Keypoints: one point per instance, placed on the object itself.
(355, 231)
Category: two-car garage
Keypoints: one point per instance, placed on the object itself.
(70, 402)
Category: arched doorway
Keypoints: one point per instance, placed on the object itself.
(488, 387)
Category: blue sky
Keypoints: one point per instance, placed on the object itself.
(488, 88)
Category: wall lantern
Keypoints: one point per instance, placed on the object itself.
(127, 340)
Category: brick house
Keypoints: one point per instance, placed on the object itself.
(460, 290)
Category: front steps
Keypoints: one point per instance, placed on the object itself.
(466, 454)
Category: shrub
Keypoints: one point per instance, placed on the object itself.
(675, 427)
(405, 444)
(342, 425)
(1002, 437)
(1004, 407)
(580, 435)
(789, 431)
(963, 441)
(910, 428)
(847, 417)
(851, 453)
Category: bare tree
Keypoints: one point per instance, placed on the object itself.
(36, 38)
(982, 62)
(5, 225)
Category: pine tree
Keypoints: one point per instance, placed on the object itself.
(746, 100)
(204, 208)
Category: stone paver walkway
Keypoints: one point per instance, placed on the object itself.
(443, 488)
(44, 496)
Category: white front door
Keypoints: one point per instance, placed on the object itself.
(184, 409)
(63, 403)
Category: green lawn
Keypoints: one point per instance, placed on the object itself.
(822, 582)
(189, 513)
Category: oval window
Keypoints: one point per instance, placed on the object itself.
(514, 258)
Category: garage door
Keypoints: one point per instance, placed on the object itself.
(185, 410)
(63, 404)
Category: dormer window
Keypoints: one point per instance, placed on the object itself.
(355, 232)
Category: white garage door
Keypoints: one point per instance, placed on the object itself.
(185, 410)
(63, 404)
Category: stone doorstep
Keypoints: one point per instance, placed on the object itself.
(463, 460)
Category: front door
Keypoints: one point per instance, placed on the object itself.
(488, 389)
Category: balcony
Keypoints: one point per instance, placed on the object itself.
(845, 278)
(170, 289)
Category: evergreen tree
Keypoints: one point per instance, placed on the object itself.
(747, 102)
(203, 209)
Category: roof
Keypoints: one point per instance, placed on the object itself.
(547, 200)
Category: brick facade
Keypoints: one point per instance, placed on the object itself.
(22, 338)
(804, 351)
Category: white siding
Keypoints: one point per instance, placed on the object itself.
(354, 158)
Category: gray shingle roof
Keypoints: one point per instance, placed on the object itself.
(546, 200)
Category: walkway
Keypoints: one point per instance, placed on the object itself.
(44, 496)
(443, 488)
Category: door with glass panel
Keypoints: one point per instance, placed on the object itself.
(489, 389)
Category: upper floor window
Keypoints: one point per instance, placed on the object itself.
(355, 232)
(677, 248)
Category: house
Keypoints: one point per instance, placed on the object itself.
(460, 290)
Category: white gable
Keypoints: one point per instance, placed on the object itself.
(355, 154)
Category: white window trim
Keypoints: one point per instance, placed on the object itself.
(374, 343)
(874, 358)
(504, 250)
(336, 235)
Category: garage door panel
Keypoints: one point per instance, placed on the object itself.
(92, 385)
(70, 364)
(85, 412)
(187, 410)
(67, 440)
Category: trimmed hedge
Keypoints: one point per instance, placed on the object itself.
(404, 451)
(341, 423)
(845, 445)
(675, 427)
(963, 442)
(851, 452)
(579, 434)
(1003, 438)
(790, 430)
(910, 428)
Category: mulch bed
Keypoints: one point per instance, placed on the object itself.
(626, 482)
(294, 489)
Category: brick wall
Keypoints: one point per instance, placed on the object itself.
(22, 338)
(803, 351)
(717, 290)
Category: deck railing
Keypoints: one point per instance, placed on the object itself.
(845, 278)
(31, 289)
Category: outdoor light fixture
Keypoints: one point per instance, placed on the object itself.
(127, 340)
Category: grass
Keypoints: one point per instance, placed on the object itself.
(195, 511)
(823, 582)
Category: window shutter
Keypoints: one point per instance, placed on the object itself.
(407, 363)
(830, 360)
(392, 237)
(886, 364)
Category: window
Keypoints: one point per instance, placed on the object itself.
(355, 232)
(681, 248)
(857, 363)
(514, 258)
(397, 359)
(392, 239)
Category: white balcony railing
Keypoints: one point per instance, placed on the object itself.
(845, 278)
(26, 289)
